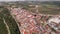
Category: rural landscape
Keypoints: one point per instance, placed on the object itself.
(30, 17)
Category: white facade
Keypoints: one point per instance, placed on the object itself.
(54, 19)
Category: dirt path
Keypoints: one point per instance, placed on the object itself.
(6, 26)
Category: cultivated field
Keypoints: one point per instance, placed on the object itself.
(43, 8)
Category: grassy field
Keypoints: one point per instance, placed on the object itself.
(44, 8)
(49, 9)
(10, 22)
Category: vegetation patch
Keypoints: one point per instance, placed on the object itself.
(10, 21)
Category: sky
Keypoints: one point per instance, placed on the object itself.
(29, 0)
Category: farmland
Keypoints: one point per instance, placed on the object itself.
(44, 9)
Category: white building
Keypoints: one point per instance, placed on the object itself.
(54, 19)
(53, 22)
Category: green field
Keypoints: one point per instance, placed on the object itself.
(3, 29)
(10, 22)
(49, 9)
(44, 9)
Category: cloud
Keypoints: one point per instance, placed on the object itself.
(11, 0)
(29, 0)
(42, 0)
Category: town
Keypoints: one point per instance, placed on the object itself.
(31, 23)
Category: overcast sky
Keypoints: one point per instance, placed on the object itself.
(29, 0)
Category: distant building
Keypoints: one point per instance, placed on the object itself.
(54, 22)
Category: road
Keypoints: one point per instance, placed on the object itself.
(6, 26)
